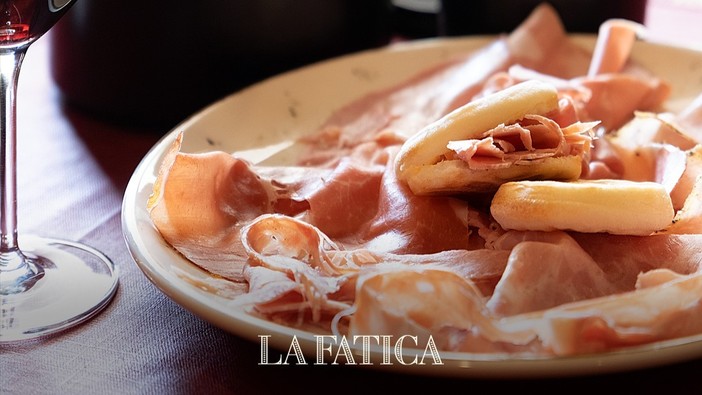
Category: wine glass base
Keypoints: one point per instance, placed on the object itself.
(77, 283)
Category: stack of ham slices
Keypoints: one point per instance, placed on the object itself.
(336, 244)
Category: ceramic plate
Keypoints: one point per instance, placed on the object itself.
(265, 117)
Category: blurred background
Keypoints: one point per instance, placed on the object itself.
(152, 63)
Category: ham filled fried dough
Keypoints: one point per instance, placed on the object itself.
(502, 137)
(590, 206)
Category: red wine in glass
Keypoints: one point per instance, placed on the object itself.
(23, 21)
(46, 284)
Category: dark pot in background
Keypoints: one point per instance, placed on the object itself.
(461, 17)
(152, 63)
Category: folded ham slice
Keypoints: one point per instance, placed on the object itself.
(527, 283)
(534, 138)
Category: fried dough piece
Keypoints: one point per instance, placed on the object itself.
(428, 166)
(592, 206)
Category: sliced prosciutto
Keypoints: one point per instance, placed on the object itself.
(294, 269)
(535, 137)
(333, 243)
(200, 202)
(535, 267)
(669, 310)
(407, 108)
(409, 224)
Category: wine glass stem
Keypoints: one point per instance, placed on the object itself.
(11, 258)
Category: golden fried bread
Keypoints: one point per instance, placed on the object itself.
(609, 206)
(423, 161)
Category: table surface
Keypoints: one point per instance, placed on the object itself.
(73, 170)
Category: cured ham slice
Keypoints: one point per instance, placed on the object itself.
(647, 128)
(690, 119)
(667, 311)
(615, 97)
(689, 217)
(656, 277)
(540, 43)
(534, 138)
(535, 267)
(625, 257)
(615, 40)
(423, 302)
(593, 265)
(661, 163)
(200, 201)
(412, 224)
(347, 199)
(208, 177)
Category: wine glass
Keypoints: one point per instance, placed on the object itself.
(46, 285)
